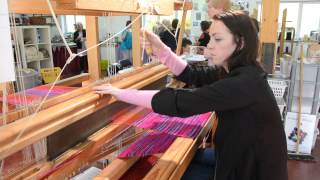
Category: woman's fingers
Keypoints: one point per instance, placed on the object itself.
(106, 89)
(151, 41)
(102, 87)
(103, 92)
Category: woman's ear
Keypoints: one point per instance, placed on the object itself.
(240, 43)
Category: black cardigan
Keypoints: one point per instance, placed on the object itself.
(250, 142)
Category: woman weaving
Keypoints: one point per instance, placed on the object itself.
(250, 142)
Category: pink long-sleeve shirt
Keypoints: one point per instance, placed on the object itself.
(144, 97)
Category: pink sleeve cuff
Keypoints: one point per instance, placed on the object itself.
(171, 60)
(137, 97)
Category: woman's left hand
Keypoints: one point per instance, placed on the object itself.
(107, 89)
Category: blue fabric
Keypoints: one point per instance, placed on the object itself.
(127, 41)
(202, 166)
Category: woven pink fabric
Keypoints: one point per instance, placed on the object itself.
(36, 94)
(140, 169)
(185, 127)
(43, 90)
(148, 144)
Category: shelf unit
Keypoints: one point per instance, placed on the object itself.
(279, 86)
(311, 88)
(32, 40)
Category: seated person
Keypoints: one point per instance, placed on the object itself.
(168, 37)
(185, 49)
(250, 141)
(205, 37)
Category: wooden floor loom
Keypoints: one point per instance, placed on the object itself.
(71, 123)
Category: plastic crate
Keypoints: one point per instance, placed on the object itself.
(281, 105)
(49, 75)
(281, 108)
(278, 87)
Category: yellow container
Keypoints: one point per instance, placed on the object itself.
(49, 75)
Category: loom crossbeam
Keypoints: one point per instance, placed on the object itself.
(95, 7)
(54, 118)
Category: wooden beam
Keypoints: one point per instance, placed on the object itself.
(176, 159)
(55, 118)
(88, 150)
(269, 31)
(93, 54)
(117, 168)
(170, 159)
(184, 163)
(74, 80)
(136, 50)
(178, 5)
(32, 171)
(17, 114)
(41, 7)
(269, 24)
(182, 27)
(283, 32)
(163, 7)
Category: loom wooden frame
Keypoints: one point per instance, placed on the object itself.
(171, 164)
(40, 7)
(52, 117)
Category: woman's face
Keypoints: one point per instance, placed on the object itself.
(221, 45)
(186, 50)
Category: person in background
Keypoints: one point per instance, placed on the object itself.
(185, 49)
(175, 28)
(168, 36)
(205, 37)
(79, 37)
(160, 26)
(256, 24)
(218, 6)
(250, 142)
(126, 43)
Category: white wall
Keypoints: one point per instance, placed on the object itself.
(111, 24)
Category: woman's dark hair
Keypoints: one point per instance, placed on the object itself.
(255, 23)
(205, 25)
(245, 36)
(186, 42)
(174, 23)
(128, 22)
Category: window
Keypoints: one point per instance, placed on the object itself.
(307, 13)
(71, 20)
(259, 12)
(292, 14)
(310, 18)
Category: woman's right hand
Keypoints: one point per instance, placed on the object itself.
(107, 89)
(149, 40)
(156, 47)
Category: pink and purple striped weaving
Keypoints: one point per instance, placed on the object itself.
(36, 94)
(43, 90)
(185, 127)
(148, 144)
(140, 168)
